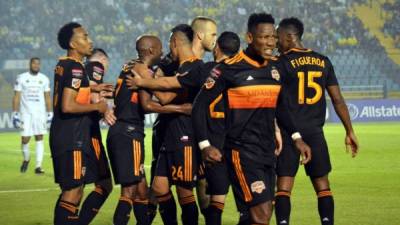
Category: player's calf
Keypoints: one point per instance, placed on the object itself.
(165, 199)
(261, 213)
(282, 207)
(66, 209)
(123, 211)
(94, 201)
(141, 203)
(187, 201)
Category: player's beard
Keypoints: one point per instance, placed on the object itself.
(34, 72)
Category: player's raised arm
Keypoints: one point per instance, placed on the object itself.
(213, 87)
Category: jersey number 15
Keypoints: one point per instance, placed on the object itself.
(310, 84)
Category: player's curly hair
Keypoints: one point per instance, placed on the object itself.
(293, 24)
(258, 18)
(65, 34)
(229, 43)
(185, 29)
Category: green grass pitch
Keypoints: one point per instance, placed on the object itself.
(366, 189)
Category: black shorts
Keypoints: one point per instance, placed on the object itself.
(217, 177)
(74, 168)
(288, 160)
(126, 152)
(253, 183)
(99, 154)
(180, 166)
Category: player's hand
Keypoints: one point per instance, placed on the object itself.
(49, 118)
(101, 107)
(102, 87)
(278, 142)
(351, 142)
(109, 117)
(106, 94)
(16, 120)
(211, 154)
(304, 149)
(187, 109)
(132, 81)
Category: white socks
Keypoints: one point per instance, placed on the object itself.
(25, 152)
(39, 153)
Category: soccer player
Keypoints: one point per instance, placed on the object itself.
(251, 87)
(204, 39)
(70, 127)
(125, 140)
(228, 44)
(30, 103)
(177, 163)
(96, 67)
(309, 75)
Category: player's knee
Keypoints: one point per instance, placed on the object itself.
(218, 198)
(38, 137)
(159, 186)
(183, 192)
(128, 190)
(25, 140)
(261, 214)
(320, 183)
(285, 183)
(104, 187)
(73, 195)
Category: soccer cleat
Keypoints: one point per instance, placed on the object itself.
(39, 170)
(24, 166)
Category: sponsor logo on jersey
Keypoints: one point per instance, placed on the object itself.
(215, 72)
(77, 72)
(98, 69)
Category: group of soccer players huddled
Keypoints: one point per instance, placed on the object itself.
(245, 120)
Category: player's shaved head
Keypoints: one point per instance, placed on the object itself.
(145, 42)
(199, 24)
(149, 49)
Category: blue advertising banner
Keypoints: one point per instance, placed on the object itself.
(369, 110)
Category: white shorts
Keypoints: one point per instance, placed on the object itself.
(33, 124)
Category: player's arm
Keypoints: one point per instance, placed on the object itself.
(70, 105)
(69, 101)
(16, 104)
(212, 88)
(16, 101)
(341, 110)
(151, 106)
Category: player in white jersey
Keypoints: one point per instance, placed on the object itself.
(32, 112)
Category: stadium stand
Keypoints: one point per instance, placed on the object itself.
(360, 36)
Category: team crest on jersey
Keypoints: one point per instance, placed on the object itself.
(77, 72)
(96, 75)
(257, 187)
(210, 82)
(76, 83)
(275, 74)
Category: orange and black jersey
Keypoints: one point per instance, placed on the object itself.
(252, 93)
(216, 110)
(180, 125)
(308, 73)
(69, 131)
(95, 73)
(126, 101)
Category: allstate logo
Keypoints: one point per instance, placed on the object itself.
(353, 111)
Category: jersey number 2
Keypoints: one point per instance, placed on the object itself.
(310, 84)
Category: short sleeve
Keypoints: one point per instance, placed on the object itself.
(73, 76)
(331, 76)
(46, 85)
(95, 72)
(17, 84)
